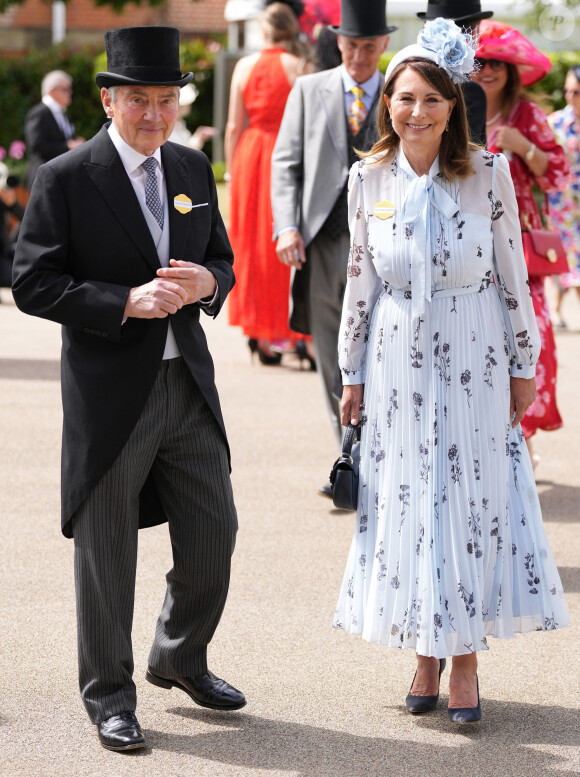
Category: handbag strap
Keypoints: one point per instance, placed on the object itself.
(543, 213)
(351, 435)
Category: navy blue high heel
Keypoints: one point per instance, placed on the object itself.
(466, 714)
(419, 704)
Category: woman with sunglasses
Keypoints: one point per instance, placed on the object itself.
(506, 62)
(565, 205)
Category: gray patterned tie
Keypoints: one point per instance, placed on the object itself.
(152, 199)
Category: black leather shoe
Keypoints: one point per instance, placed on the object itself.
(466, 714)
(419, 704)
(206, 689)
(121, 732)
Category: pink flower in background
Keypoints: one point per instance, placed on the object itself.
(17, 149)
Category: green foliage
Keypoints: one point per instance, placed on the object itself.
(219, 169)
(550, 89)
(20, 90)
(20, 80)
(199, 57)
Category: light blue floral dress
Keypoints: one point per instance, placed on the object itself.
(449, 545)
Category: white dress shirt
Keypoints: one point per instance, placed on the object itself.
(59, 113)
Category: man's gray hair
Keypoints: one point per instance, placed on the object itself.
(54, 78)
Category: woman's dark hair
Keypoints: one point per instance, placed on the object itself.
(326, 52)
(454, 152)
(512, 91)
(576, 70)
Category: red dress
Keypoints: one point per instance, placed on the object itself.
(532, 122)
(259, 300)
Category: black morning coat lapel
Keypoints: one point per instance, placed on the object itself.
(108, 174)
(177, 181)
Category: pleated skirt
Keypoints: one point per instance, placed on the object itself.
(449, 545)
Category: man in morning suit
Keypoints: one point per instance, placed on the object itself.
(123, 244)
(47, 129)
(466, 14)
(327, 115)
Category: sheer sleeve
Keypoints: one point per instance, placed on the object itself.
(363, 286)
(540, 133)
(511, 274)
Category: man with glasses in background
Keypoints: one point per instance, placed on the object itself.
(47, 129)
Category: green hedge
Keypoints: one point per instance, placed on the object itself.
(551, 88)
(20, 80)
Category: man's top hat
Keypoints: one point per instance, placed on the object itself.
(363, 19)
(143, 55)
(457, 10)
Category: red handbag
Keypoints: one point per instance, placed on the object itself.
(544, 252)
(543, 248)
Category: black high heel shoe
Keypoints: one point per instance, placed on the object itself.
(265, 358)
(419, 704)
(466, 714)
(302, 354)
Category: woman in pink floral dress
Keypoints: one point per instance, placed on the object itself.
(517, 127)
(565, 205)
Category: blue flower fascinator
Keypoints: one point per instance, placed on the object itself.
(443, 42)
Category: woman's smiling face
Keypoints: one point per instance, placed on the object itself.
(492, 79)
(419, 112)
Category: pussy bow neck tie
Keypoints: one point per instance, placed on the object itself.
(422, 192)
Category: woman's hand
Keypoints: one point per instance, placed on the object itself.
(351, 404)
(511, 139)
(522, 394)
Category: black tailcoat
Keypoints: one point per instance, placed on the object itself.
(45, 140)
(83, 244)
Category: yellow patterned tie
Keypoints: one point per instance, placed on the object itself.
(358, 112)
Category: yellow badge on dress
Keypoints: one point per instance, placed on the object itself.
(182, 203)
(384, 210)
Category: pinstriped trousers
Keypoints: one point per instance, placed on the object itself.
(178, 440)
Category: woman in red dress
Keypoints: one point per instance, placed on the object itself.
(260, 86)
(519, 128)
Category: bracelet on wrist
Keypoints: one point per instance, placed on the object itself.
(530, 152)
(227, 177)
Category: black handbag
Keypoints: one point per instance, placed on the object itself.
(344, 474)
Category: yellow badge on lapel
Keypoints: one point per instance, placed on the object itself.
(384, 210)
(182, 203)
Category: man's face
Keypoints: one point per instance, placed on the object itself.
(62, 93)
(144, 116)
(361, 55)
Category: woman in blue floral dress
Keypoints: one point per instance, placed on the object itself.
(565, 205)
(438, 324)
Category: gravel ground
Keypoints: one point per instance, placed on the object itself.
(320, 703)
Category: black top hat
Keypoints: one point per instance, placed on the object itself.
(363, 19)
(143, 55)
(296, 5)
(456, 10)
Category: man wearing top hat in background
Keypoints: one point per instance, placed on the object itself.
(466, 14)
(123, 244)
(327, 115)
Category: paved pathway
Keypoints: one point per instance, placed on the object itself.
(320, 703)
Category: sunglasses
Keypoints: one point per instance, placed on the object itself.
(495, 64)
